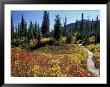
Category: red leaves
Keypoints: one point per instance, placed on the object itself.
(37, 63)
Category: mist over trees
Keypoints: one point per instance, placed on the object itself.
(81, 30)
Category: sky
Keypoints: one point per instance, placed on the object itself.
(38, 16)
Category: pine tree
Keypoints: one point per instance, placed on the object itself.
(22, 27)
(97, 30)
(45, 24)
(86, 33)
(76, 26)
(69, 37)
(25, 29)
(12, 27)
(82, 24)
(87, 28)
(16, 32)
(36, 30)
(57, 28)
(30, 31)
(92, 26)
(65, 28)
(39, 34)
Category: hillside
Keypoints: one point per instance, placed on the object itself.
(72, 25)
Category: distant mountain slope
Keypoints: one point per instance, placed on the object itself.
(71, 25)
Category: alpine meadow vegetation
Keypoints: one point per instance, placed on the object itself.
(37, 51)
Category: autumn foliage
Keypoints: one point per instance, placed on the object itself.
(50, 61)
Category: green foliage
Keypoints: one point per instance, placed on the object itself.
(77, 37)
(39, 34)
(95, 48)
(15, 42)
(92, 39)
(45, 24)
(30, 31)
(65, 27)
(97, 33)
(12, 27)
(76, 26)
(69, 38)
(35, 31)
(82, 24)
(57, 28)
(32, 43)
(23, 27)
(85, 40)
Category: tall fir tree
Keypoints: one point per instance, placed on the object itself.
(25, 28)
(45, 24)
(82, 24)
(22, 26)
(97, 30)
(65, 27)
(18, 30)
(39, 34)
(76, 26)
(12, 27)
(87, 30)
(30, 31)
(57, 28)
(92, 26)
(36, 30)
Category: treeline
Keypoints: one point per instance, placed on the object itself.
(23, 34)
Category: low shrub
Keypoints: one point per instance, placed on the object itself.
(15, 42)
(69, 38)
(33, 43)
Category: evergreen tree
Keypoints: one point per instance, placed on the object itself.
(76, 26)
(22, 26)
(87, 28)
(92, 27)
(57, 28)
(65, 28)
(12, 27)
(39, 34)
(86, 33)
(82, 24)
(69, 37)
(30, 31)
(16, 32)
(97, 30)
(25, 28)
(45, 24)
(36, 30)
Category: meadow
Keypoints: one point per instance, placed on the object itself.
(65, 60)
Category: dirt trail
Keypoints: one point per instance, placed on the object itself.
(90, 63)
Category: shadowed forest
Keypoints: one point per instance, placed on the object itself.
(38, 51)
